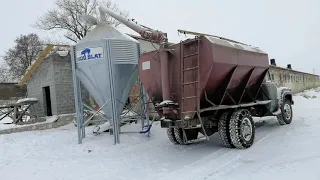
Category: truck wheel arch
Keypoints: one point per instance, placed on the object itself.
(288, 96)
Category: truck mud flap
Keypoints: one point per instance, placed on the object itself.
(170, 123)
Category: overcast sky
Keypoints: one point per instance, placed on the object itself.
(288, 30)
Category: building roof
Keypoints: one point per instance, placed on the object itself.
(26, 77)
(292, 70)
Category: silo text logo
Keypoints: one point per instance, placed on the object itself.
(90, 53)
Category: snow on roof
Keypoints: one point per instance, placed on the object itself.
(225, 42)
(25, 100)
(63, 53)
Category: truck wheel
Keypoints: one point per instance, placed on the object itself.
(192, 134)
(286, 113)
(223, 129)
(171, 136)
(242, 129)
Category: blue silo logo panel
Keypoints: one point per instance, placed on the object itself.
(90, 53)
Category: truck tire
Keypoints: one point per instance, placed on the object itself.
(192, 134)
(286, 113)
(223, 129)
(242, 129)
(171, 136)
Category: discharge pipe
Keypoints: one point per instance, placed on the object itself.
(150, 35)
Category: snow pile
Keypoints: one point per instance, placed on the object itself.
(25, 100)
(6, 120)
(62, 53)
(101, 128)
(279, 152)
(52, 118)
(6, 123)
(127, 113)
(311, 94)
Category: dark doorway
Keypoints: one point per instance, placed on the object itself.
(47, 101)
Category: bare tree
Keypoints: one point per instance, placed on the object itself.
(67, 14)
(5, 74)
(20, 57)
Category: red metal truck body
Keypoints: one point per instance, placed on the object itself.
(205, 70)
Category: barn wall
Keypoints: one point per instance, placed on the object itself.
(297, 81)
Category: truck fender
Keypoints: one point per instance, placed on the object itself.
(283, 94)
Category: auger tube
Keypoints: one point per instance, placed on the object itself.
(149, 34)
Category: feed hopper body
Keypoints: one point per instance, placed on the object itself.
(107, 60)
(216, 71)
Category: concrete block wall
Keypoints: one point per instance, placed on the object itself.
(55, 72)
(63, 82)
(42, 77)
(297, 81)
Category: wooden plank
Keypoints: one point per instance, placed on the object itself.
(35, 65)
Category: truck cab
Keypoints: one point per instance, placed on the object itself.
(281, 99)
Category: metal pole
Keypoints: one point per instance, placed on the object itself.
(146, 103)
(81, 110)
(76, 95)
(141, 103)
(146, 106)
(115, 124)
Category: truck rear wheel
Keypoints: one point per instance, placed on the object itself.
(286, 113)
(223, 129)
(192, 134)
(171, 136)
(242, 129)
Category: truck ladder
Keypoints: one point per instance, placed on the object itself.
(194, 56)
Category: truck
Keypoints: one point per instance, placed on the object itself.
(209, 84)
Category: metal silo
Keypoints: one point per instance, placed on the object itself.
(105, 61)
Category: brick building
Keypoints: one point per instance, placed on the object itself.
(51, 83)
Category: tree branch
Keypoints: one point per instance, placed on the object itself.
(66, 16)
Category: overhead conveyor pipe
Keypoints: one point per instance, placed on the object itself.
(149, 34)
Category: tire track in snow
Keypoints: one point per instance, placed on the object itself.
(207, 166)
(219, 169)
(249, 153)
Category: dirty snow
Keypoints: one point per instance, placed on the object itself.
(6, 122)
(280, 152)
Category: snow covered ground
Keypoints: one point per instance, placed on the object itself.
(5, 123)
(280, 152)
